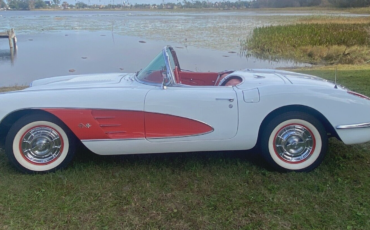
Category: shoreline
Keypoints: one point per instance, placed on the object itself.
(287, 9)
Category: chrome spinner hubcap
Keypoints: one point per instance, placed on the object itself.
(41, 145)
(294, 143)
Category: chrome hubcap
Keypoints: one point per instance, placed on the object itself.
(294, 143)
(41, 145)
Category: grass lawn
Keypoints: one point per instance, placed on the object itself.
(210, 190)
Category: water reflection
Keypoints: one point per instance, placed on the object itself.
(8, 55)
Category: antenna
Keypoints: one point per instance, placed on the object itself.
(336, 69)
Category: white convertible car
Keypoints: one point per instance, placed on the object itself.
(163, 108)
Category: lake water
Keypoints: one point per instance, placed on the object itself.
(52, 43)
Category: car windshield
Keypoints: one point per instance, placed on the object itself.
(156, 71)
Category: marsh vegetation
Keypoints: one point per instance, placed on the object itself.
(317, 40)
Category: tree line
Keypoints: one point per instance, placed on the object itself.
(350, 3)
(27, 4)
(2, 4)
(39, 4)
(303, 3)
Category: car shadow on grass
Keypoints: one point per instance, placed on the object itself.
(209, 158)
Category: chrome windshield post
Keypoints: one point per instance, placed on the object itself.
(169, 79)
(163, 84)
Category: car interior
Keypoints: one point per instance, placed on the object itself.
(203, 78)
(156, 73)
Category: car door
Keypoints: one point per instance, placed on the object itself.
(191, 114)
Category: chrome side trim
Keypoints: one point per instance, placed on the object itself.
(121, 139)
(136, 139)
(106, 117)
(354, 126)
(110, 125)
(193, 135)
(115, 132)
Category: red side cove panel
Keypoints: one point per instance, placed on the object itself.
(89, 124)
(102, 124)
(162, 125)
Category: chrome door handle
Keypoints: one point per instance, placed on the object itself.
(225, 99)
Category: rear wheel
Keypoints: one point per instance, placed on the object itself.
(39, 143)
(294, 141)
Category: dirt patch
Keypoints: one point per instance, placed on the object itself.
(12, 88)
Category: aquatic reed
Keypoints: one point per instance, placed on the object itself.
(327, 43)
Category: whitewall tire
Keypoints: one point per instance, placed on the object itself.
(39, 143)
(294, 141)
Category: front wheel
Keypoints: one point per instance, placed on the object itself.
(39, 143)
(294, 141)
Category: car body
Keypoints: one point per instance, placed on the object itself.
(163, 108)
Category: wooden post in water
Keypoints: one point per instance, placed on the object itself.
(10, 34)
(13, 52)
(12, 38)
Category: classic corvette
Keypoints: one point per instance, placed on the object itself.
(163, 108)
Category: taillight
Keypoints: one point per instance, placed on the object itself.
(358, 95)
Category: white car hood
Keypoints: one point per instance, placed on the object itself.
(76, 81)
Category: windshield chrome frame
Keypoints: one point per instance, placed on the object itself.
(169, 72)
(170, 75)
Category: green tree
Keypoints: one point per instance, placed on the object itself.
(80, 5)
(39, 4)
(31, 4)
(309, 2)
(350, 3)
(65, 5)
(2, 4)
(19, 4)
(284, 3)
(56, 2)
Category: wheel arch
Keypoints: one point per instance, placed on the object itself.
(7, 122)
(299, 108)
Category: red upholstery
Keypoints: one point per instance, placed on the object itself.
(177, 76)
(155, 77)
(233, 82)
(197, 78)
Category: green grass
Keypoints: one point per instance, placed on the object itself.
(212, 190)
(327, 43)
(356, 80)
